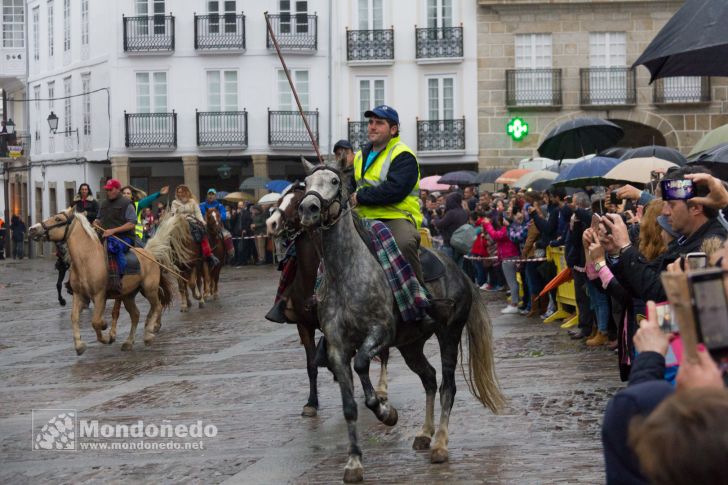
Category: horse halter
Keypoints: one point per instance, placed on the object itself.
(326, 204)
(67, 223)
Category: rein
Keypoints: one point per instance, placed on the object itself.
(66, 223)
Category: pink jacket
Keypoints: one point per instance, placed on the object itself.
(506, 247)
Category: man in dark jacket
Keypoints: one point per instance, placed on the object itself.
(695, 223)
(574, 255)
(453, 217)
(549, 227)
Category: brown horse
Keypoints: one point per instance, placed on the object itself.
(217, 244)
(286, 223)
(89, 278)
(174, 231)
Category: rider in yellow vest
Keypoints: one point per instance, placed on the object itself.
(387, 179)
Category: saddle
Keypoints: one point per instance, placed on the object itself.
(432, 267)
(132, 263)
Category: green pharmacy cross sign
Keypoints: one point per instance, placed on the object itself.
(517, 129)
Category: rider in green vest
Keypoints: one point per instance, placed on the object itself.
(387, 183)
(141, 201)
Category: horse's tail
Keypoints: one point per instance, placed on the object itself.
(481, 379)
(166, 288)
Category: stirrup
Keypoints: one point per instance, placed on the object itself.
(277, 314)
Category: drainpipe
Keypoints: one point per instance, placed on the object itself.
(30, 191)
(330, 62)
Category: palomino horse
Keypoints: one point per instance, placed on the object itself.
(89, 278)
(357, 314)
(174, 231)
(285, 223)
(217, 244)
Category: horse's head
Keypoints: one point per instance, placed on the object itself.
(212, 218)
(55, 228)
(325, 195)
(285, 217)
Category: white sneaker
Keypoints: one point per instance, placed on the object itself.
(509, 310)
(547, 314)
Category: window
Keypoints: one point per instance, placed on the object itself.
(285, 98)
(682, 89)
(36, 97)
(67, 106)
(371, 94)
(151, 92)
(439, 14)
(371, 15)
(222, 90)
(36, 34)
(66, 25)
(213, 8)
(84, 22)
(51, 94)
(533, 81)
(86, 87)
(52, 201)
(38, 118)
(50, 28)
(441, 98)
(608, 50)
(154, 9)
(13, 23)
(299, 25)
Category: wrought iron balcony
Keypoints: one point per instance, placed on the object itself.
(682, 90)
(217, 32)
(533, 87)
(286, 128)
(358, 133)
(370, 45)
(296, 32)
(151, 130)
(610, 86)
(149, 33)
(438, 43)
(222, 129)
(440, 135)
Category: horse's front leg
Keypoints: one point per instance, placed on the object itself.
(372, 346)
(114, 320)
(307, 333)
(77, 302)
(97, 317)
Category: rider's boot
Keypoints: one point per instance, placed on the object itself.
(321, 357)
(277, 314)
(212, 260)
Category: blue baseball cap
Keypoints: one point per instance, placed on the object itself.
(384, 112)
(211, 191)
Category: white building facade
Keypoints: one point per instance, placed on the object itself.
(162, 92)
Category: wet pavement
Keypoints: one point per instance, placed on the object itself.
(225, 367)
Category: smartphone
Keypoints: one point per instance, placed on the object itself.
(710, 308)
(681, 189)
(614, 199)
(695, 261)
(666, 318)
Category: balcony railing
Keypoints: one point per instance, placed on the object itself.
(294, 31)
(358, 133)
(437, 43)
(222, 129)
(611, 86)
(533, 87)
(151, 33)
(370, 45)
(682, 90)
(286, 128)
(215, 31)
(440, 135)
(151, 130)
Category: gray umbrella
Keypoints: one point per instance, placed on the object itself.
(253, 183)
(580, 136)
(693, 43)
(715, 159)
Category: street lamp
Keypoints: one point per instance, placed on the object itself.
(10, 126)
(224, 170)
(53, 124)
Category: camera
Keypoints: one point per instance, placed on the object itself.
(614, 199)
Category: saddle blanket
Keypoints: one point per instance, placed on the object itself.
(410, 296)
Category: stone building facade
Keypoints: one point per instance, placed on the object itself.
(546, 61)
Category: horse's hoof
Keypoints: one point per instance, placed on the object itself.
(421, 443)
(62, 302)
(104, 326)
(439, 455)
(126, 346)
(184, 309)
(309, 412)
(353, 475)
(391, 418)
(80, 348)
(148, 339)
(112, 339)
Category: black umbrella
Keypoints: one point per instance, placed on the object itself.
(692, 43)
(489, 176)
(715, 159)
(461, 177)
(665, 153)
(579, 137)
(614, 152)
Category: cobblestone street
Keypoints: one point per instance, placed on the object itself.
(225, 365)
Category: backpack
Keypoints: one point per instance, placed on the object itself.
(463, 238)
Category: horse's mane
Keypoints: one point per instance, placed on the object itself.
(87, 226)
(172, 243)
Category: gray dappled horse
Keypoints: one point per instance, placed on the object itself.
(357, 313)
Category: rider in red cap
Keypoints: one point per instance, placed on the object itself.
(117, 217)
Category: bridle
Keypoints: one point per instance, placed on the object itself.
(67, 223)
(344, 206)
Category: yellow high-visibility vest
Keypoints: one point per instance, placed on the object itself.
(139, 227)
(409, 207)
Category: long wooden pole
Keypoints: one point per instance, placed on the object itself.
(101, 229)
(293, 88)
